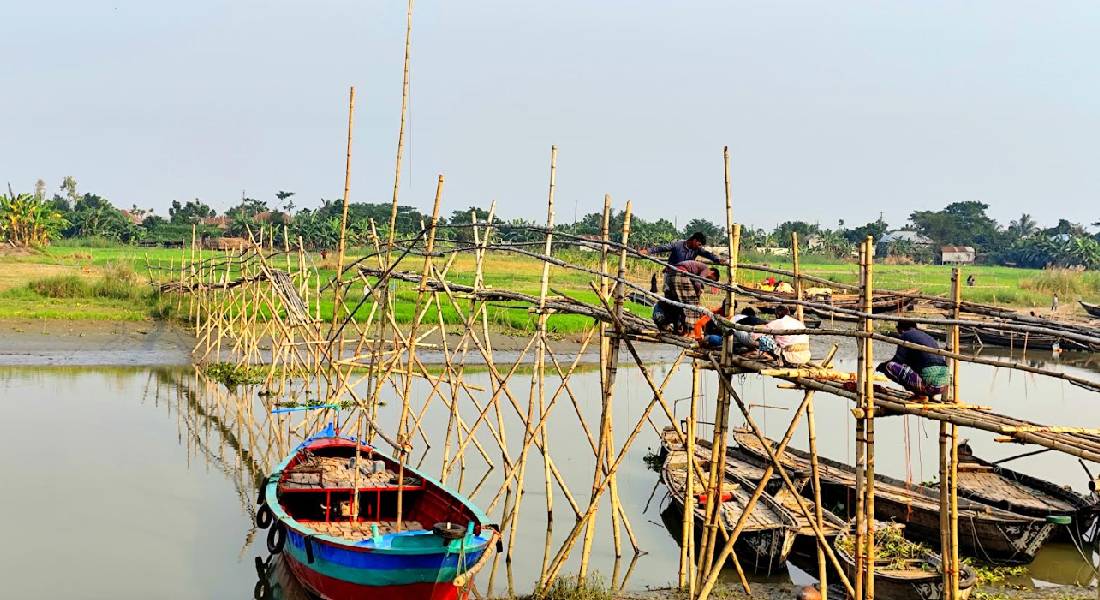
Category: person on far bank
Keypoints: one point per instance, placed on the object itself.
(681, 251)
(920, 372)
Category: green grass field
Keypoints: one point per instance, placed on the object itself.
(80, 283)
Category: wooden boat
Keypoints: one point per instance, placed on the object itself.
(986, 532)
(337, 552)
(988, 336)
(741, 466)
(768, 536)
(915, 575)
(999, 486)
(1092, 309)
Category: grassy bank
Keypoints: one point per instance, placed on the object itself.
(82, 283)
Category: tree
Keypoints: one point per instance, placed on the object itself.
(249, 207)
(713, 232)
(94, 216)
(464, 233)
(286, 203)
(782, 235)
(1023, 227)
(191, 212)
(875, 229)
(68, 186)
(40, 190)
(959, 223)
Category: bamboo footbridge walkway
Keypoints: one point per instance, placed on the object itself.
(261, 307)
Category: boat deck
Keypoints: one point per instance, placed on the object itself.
(985, 481)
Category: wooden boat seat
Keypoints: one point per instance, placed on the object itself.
(362, 529)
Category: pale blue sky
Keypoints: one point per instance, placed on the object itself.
(831, 110)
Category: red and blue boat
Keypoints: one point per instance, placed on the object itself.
(428, 549)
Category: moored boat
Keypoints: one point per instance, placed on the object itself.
(740, 465)
(768, 536)
(430, 551)
(1002, 487)
(1092, 309)
(905, 571)
(985, 531)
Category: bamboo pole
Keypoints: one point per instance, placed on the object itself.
(797, 275)
(869, 416)
(956, 294)
(338, 287)
(861, 403)
(400, 132)
(815, 480)
(687, 537)
(605, 395)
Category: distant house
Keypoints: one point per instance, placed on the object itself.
(957, 255)
(271, 217)
(906, 241)
(221, 222)
(814, 241)
(773, 250)
(133, 217)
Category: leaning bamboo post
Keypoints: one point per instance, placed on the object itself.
(687, 539)
(402, 428)
(192, 290)
(589, 532)
(798, 312)
(956, 294)
(869, 415)
(338, 286)
(861, 372)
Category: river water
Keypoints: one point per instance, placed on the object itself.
(138, 481)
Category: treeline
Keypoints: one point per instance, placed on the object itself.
(32, 218)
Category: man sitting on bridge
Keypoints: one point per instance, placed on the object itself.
(920, 372)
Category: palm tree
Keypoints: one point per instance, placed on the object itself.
(1023, 227)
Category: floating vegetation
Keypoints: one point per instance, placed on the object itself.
(232, 375)
(892, 550)
(654, 460)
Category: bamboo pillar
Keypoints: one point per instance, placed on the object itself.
(798, 312)
(861, 406)
(869, 415)
(687, 530)
(956, 294)
(605, 346)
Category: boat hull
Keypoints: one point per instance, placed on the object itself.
(333, 588)
(910, 587)
(760, 552)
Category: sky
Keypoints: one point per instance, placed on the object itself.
(831, 110)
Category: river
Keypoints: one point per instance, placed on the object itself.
(138, 481)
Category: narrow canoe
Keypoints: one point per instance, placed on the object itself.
(768, 536)
(985, 532)
(441, 541)
(740, 465)
(1023, 494)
